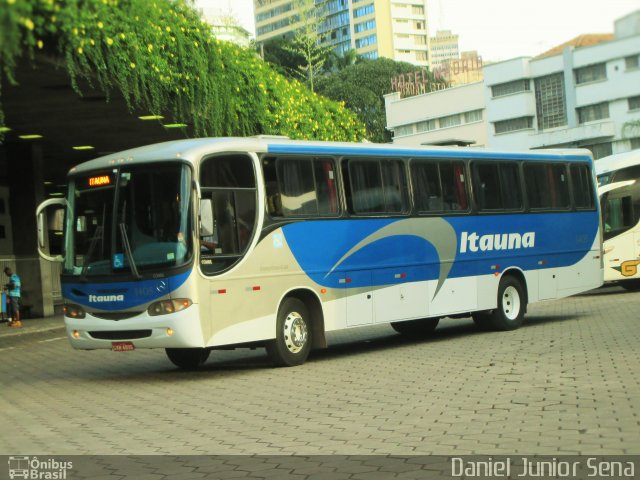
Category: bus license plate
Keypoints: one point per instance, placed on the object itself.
(122, 346)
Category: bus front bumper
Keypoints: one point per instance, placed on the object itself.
(177, 330)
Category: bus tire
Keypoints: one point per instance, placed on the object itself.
(418, 328)
(509, 313)
(630, 285)
(293, 340)
(188, 358)
(482, 320)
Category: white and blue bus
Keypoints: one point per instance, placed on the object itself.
(619, 190)
(209, 243)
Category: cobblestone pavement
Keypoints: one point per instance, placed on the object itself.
(568, 382)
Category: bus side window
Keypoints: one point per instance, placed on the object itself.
(582, 187)
(426, 186)
(454, 192)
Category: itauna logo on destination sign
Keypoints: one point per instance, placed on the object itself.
(106, 298)
(473, 242)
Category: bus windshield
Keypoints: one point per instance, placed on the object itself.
(129, 221)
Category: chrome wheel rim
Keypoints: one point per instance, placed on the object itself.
(511, 303)
(295, 332)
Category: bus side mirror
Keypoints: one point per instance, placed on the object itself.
(207, 220)
(50, 225)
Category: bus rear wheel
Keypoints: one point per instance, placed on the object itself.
(292, 344)
(512, 303)
(419, 328)
(188, 358)
(631, 285)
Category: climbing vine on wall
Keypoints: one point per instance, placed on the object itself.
(162, 57)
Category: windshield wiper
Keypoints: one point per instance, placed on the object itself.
(127, 249)
(97, 235)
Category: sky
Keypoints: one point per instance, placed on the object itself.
(497, 29)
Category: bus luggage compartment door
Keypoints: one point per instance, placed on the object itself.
(359, 298)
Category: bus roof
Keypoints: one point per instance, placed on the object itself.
(191, 150)
(617, 161)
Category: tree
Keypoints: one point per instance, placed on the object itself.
(362, 87)
(306, 40)
(336, 62)
(282, 59)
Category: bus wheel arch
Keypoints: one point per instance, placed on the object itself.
(299, 328)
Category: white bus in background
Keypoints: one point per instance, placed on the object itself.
(619, 191)
(208, 243)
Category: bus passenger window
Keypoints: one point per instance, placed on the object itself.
(454, 192)
(547, 186)
(377, 186)
(582, 186)
(300, 186)
(426, 186)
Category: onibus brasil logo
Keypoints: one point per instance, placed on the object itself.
(36, 469)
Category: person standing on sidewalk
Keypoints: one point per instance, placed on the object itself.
(13, 298)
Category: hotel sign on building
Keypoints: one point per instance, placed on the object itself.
(449, 73)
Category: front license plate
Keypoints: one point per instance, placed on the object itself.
(122, 346)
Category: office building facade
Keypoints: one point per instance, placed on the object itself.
(395, 29)
(585, 93)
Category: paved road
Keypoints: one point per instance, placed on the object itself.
(568, 382)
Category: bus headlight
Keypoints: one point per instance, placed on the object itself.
(168, 306)
(73, 311)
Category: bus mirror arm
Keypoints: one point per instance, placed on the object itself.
(42, 227)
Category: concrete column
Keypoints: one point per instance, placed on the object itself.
(26, 191)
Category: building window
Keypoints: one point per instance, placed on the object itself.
(403, 130)
(513, 124)
(592, 73)
(632, 62)
(419, 25)
(634, 103)
(473, 116)
(600, 150)
(591, 113)
(368, 25)
(450, 121)
(417, 9)
(366, 41)
(426, 126)
(422, 56)
(510, 87)
(420, 39)
(550, 101)
(362, 11)
(635, 143)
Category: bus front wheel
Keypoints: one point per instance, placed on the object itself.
(292, 344)
(187, 358)
(512, 303)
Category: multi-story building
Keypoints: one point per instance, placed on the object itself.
(584, 93)
(453, 116)
(444, 46)
(373, 28)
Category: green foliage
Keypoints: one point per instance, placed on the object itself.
(164, 60)
(362, 87)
